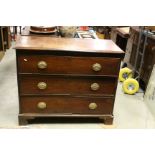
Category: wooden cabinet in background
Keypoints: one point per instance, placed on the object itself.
(120, 36)
(149, 57)
(5, 38)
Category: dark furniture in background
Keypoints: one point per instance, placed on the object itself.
(5, 38)
(122, 37)
(62, 77)
(149, 57)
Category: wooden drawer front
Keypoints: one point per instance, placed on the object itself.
(62, 104)
(68, 65)
(67, 85)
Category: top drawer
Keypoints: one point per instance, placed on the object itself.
(49, 64)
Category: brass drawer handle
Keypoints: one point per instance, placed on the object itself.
(42, 85)
(92, 106)
(41, 105)
(96, 67)
(42, 65)
(95, 86)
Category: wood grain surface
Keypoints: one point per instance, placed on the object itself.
(68, 65)
(66, 85)
(67, 44)
(72, 105)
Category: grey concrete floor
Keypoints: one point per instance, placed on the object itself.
(130, 111)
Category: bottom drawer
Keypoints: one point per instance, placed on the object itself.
(66, 105)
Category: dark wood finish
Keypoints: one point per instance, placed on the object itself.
(122, 37)
(107, 120)
(149, 57)
(68, 44)
(33, 115)
(69, 85)
(23, 120)
(68, 65)
(67, 105)
(123, 31)
(26, 117)
(5, 38)
(1, 40)
(121, 42)
(68, 76)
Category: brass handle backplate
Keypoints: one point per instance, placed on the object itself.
(92, 106)
(42, 65)
(41, 105)
(96, 67)
(42, 85)
(95, 86)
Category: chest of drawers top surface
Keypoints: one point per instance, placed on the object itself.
(68, 44)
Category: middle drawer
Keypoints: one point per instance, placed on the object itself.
(47, 84)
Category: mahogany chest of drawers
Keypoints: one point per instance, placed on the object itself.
(62, 77)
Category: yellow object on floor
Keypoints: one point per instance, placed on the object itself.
(130, 86)
(124, 74)
(100, 36)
